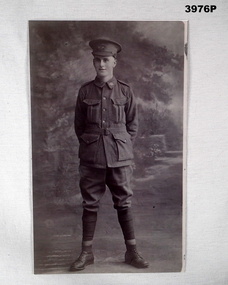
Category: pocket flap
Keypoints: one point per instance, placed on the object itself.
(121, 137)
(89, 138)
(119, 101)
(91, 101)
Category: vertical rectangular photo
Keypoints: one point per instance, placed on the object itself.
(108, 134)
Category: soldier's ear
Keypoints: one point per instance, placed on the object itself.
(115, 62)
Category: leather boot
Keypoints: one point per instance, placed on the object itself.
(133, 258)
(82, 261)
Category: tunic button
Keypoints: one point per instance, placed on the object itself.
(104, 109)
(125, 140)
(104, 121)
(104, 98)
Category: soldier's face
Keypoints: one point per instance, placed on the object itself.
(104, 65)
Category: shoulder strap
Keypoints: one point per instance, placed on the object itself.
(124, 83)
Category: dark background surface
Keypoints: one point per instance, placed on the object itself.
(152, 63)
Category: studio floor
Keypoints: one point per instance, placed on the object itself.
(158, 210)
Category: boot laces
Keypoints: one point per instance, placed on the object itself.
(136, 253)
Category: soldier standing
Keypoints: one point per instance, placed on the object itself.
(106, 124)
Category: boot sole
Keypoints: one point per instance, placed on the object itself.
(132, 264)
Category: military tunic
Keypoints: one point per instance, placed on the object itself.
(106, 123)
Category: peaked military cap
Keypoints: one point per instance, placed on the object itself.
(105, 47)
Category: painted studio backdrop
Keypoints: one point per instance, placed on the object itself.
(152, 63)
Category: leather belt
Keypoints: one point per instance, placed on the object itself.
(106, 131)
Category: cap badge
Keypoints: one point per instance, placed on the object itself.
(101, 47)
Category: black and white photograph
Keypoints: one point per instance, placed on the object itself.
(108, 128)
(113, 142)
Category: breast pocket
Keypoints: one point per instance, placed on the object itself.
(93, 110)
(118, 113)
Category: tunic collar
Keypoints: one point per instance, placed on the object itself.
(109, 83)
